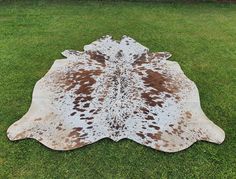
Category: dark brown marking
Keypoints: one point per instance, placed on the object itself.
(58, 128)
(72, 114)
(75, 132)
(97, 56)
(155, 127)
(38, 119)
(167, 95)
(86, 105)
(188, 114)
(149, 117)
(159, 84)
(83, 135)
(140, 60)
(119, 54)
(156, 136)
(141, 135)
(86, 118)
(92, 110)
(145, 110)
(78, 109)
(86, 81)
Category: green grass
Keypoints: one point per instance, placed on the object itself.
(202, 39)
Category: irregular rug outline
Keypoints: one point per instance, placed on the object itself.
(116, 89)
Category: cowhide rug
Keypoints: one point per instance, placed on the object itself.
(116, 89)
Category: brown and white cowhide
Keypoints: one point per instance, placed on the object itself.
(116, 89)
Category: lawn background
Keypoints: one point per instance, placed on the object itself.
(201, 38)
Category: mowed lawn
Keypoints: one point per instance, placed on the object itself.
(201, 38)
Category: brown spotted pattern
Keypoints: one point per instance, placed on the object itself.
(115, 89)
